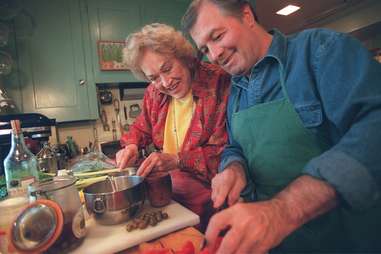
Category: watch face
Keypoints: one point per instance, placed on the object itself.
(78, 225)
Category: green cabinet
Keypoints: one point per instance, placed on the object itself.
(168, 12)
(113, 20)
(51, 38)
(57, 50)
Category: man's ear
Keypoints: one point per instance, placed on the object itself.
(248, 16)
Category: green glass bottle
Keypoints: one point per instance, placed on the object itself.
(20, 165)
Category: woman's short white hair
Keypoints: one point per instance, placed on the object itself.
(159, 38)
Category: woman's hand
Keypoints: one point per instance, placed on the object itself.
(158, 162)
(127, 156)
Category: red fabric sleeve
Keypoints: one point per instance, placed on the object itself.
(203, 160)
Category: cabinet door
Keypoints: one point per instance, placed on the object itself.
(168, 12)
(112, 20)
(52, 65)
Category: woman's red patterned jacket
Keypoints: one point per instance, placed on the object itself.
(206, 136)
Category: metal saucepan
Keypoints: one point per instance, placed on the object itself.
(115, 199)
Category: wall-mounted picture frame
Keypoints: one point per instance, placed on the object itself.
(110, 54)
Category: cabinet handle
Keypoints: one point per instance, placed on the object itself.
(82, 82)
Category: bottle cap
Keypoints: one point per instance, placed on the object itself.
(16, 126)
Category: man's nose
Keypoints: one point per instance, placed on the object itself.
(215, 54)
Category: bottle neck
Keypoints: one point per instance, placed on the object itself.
(17, 138)
(18, 145)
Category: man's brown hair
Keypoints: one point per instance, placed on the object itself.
(228, 7)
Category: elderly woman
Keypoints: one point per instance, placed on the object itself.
(183, 114)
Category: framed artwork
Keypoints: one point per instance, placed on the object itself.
(110, 54)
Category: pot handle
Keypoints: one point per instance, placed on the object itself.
(98, 206)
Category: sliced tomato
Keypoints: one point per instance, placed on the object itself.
(188, 248)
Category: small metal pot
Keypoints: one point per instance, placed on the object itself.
(115, 199)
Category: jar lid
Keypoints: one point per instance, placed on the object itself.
(37, 227)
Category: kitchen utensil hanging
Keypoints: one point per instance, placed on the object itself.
(96, 140)
(134, 111)
(117, 114)
(105, 96)
(126, 126)
(114, 136)
(106, 127)
(125, 112)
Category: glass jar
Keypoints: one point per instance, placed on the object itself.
(159, 189)
(62, 191)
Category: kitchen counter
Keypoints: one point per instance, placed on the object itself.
(110, 239)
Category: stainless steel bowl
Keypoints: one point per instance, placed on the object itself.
(116, 199)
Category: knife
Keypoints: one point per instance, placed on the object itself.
(125, 112)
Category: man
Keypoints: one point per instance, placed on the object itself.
(304, 121)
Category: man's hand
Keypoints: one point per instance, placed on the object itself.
(260, 226)
(253, 228)
(158, 162)
(228, 185)
(127, 156)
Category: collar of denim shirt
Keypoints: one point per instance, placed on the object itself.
(277, 51)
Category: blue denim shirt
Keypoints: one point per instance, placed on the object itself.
(335, 87)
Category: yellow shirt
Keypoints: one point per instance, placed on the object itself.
(179, 116)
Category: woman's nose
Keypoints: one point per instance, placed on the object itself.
(164, 81)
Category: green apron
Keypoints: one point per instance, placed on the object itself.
(277, 146)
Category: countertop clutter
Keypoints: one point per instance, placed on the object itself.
(114, 238)
(110, 239)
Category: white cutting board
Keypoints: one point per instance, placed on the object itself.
(110, 239)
